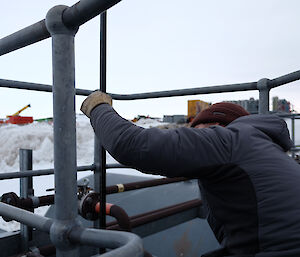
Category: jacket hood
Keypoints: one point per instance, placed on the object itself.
(271, 125)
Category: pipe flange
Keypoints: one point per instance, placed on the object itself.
(87, 206)
(11, 199)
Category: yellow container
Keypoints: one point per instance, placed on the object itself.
(196, 106)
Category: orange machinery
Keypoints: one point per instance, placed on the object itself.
(17, 119)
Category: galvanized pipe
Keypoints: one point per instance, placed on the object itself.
(29, 173)
(285, 79)
(36, 221)
(189, 91)
(73, 17)
(125, 244)
(26, 190)
(24, 37)
(180, 92)
(158, 94)
(128, 244)
(264, 90)
(64, 120)
(85, 10)
(36, 86)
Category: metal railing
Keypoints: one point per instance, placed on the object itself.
(61, 24)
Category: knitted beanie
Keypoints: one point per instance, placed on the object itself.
(223, 113)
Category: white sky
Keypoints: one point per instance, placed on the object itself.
(158, 45)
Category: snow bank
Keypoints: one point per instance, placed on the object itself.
(38, 136)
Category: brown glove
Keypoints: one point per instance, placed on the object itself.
(94, 99)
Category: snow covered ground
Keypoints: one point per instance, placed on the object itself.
(39, 137)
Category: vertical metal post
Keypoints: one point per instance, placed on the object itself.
(26, 190)
(63, 65)
(264, 90)
(293, 133)
(99, 151)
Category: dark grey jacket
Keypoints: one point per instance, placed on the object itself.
(251, 185)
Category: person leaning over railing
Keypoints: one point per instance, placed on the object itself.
(250, 185)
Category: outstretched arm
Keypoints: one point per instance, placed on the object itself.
(188, 152)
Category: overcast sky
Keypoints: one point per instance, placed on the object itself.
(158, 45)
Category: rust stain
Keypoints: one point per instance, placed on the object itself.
(183, 245)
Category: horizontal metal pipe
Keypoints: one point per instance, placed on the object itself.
(85, 10)
(115, 166)
(49, 199)
(180, 92)
(125, 244)
(141, 184)
(29, 173)
(158, 94)
(36, 86)
(189, 91)
(26, 203)
(73, 16)
(151, 216)
(285, 79)
(24, 37)
(36, 221)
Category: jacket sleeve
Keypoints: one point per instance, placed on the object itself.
(188, 152)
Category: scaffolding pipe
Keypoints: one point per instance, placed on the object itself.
(29, 173)
(125, 244)
(35, 86)
(85, 10)
(288, 78)
(36, 221)
(73, 17)
(264, 91)
(189, 91)
(128, 244)
(24, 37)
(285, 79)
(64, 127)
(26, 190)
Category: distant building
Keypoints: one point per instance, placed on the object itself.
(250, 105)
(174, 118)
(281, 105)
